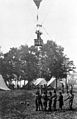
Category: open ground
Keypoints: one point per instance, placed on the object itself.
(20, 104)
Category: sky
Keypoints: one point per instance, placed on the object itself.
(58, 19)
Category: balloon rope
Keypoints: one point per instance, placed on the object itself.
(37, 16)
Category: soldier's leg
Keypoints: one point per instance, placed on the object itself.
(41, 106)
(61, 106)
(71, 105)
(49, 106)
(45, 106)
(54, 105)
(36, 105)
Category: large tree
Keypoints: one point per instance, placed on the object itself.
(21, 62)
(28, 62)
(54, 61)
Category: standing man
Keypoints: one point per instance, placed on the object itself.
(36, 100)
(40, 105)
(54, 100)
(50, 100)
(45, 98)
(62, 88)
(71, 97)
(60, 100)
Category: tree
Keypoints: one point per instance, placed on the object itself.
(29, 66)
(26, 62)
(54, 61)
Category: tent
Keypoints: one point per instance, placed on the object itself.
(40, 81)
(3, 86)
(51, 82)
(20, 83)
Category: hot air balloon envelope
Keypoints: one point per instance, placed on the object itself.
(37, 2)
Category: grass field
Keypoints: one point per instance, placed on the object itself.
(20, 104)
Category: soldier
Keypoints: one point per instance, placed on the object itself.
(50, 100)
(71, 97)
(40, 105)
(45, 98)
(60, 100)
(54, 100)
(62, 88)
(36, 100)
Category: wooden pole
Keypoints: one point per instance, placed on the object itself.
(56, 83)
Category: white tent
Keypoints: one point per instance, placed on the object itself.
(3, 86)
(20, 83)
(40, 81)
(26, 82)
(51, 82)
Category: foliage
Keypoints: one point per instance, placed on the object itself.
(31, 62)
(55, 63)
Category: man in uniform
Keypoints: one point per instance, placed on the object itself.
(50, 100)
(60, 100)
(45, 98)
(36, 100)
(71, 97)
(54, 100)
(40, 105)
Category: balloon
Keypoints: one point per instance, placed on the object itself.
(37, 2)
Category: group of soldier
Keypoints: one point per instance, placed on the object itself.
(48, 100)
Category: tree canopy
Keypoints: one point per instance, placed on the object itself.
(30, 62)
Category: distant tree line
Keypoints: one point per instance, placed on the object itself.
(27, 62)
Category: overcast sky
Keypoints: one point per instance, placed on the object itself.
(59, 18)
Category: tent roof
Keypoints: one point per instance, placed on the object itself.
(26, 82)
(3, 86)
(40, 81)
(51, 81)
